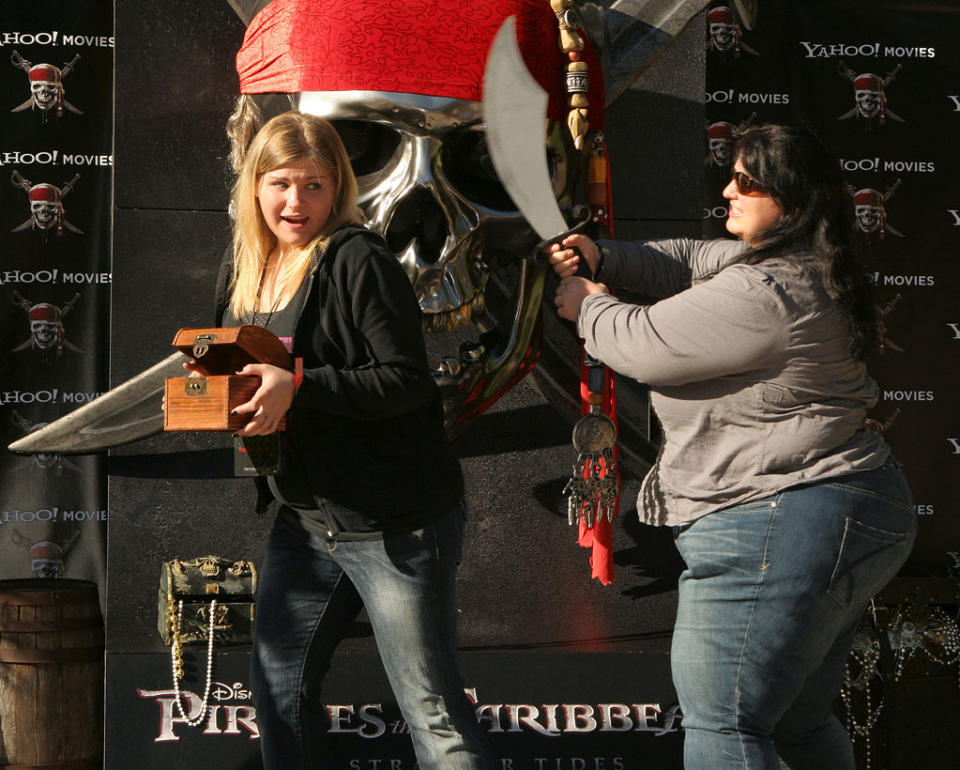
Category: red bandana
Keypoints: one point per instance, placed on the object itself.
(431, 47)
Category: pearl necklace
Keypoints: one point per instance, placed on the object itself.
(176, 664)
(865, 653)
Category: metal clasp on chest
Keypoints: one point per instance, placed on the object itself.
(195, 386)
(201, 344)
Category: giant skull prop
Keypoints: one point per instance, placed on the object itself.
(426, 181)
(428, 186)
(401, 87)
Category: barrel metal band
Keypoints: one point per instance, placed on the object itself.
(59, 624)
(94, 763)
(69, 655)
(44, 598)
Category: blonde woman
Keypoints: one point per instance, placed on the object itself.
(370, 494)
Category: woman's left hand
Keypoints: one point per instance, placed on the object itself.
(271, 400)
(571, 292)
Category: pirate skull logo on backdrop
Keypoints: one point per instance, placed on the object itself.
(55, 160)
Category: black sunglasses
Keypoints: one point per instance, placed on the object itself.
(747, 185)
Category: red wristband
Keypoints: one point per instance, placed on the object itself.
(297, 372)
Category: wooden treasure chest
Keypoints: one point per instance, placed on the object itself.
(205, 402)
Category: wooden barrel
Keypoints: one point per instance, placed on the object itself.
(51, 675)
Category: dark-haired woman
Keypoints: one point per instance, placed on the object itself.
(789, 513)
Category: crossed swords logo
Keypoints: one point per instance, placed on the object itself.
(870, 210)
(46, 86)
(46, 556)
(869, 93)
(46, 205)
(46, 326)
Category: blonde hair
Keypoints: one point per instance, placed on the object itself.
(289, 137)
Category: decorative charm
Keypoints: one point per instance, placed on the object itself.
(929, 632)
(577, 75)
(593, 488)
(912, 633)
(598, 189)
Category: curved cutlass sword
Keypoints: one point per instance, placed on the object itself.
(126, 413)
(515, 112)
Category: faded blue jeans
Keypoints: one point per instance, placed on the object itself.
(772, 595)
(310, 592)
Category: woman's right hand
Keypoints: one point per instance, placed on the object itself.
(564, 260)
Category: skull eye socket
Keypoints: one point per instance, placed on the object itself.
(369, 145)
(466, 163)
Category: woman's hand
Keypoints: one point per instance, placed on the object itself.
(271, 400)
(571, 292)
(564, 260)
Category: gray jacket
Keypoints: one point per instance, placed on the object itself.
(750, 372)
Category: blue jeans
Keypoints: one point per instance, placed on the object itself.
(310, 592)
(772, 595)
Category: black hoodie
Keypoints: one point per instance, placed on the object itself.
(365, 452)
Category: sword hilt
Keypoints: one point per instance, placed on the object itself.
(537, 255)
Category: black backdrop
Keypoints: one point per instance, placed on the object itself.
(535, 629)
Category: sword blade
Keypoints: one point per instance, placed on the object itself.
(126, 413)
(515, 111)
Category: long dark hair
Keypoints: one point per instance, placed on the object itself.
(801, 173)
